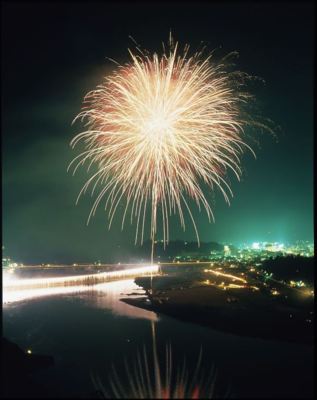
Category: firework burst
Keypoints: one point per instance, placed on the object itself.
(159, 129)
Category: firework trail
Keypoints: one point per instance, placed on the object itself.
(159, 129)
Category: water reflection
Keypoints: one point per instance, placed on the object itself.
(12, 296)
(150, 375)
(103, 295)
(108, 295)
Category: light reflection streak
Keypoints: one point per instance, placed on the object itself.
(11, 296)
(11, 282)
(109, 293)
(105, 295)
(96, 288)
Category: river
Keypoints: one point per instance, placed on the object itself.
(87, 329)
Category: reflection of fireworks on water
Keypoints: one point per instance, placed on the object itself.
(157, 128)
(146, 379)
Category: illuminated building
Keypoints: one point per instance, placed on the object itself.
(226, 250)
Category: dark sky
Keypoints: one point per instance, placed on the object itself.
(53, 53)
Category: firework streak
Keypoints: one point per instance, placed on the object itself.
(159, 129)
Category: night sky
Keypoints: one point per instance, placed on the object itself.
(54, 53)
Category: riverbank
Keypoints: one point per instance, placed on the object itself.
(246, 316)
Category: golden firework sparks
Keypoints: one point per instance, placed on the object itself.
(159, 128)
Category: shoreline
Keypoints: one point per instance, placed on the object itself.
(244, 324)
